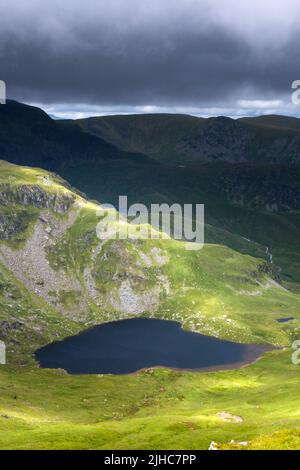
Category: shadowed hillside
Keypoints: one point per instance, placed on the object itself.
(184, 139)
(28, 136)
(57, 279)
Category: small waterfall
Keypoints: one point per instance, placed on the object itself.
(269, 255)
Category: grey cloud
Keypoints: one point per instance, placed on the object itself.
(170, 53)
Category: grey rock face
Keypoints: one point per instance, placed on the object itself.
(6, 327)
(227, 140)
(35, 196)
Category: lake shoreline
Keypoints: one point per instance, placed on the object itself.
(194, 347)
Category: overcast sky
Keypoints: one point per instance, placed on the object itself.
(207, 57)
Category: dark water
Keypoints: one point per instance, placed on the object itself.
(285, 320)
(127, 346)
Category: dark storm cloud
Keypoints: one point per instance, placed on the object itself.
(137, 52)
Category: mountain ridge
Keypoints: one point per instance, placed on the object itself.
(29, 136)
(186, 139)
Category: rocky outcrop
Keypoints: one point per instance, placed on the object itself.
(229, 140)
(36, 196)
(229, 418)
(119, 277)
(6, 327)
(220, 139)
(14, 222)
(30, 265)
(129, 300)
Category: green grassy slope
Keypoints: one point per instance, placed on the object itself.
(155, 409)
(237, 200)
(217, 291)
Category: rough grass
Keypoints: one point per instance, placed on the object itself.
(20, 175)
(155, 409)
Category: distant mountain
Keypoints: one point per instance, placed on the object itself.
(29, 136)
(274, 121)
(184, 139)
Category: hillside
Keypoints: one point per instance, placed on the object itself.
(58, 278)
(51, 256)
(274, 121)
(186, 139)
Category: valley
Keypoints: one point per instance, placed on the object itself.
(57, 279)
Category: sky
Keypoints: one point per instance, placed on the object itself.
(202, 57)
